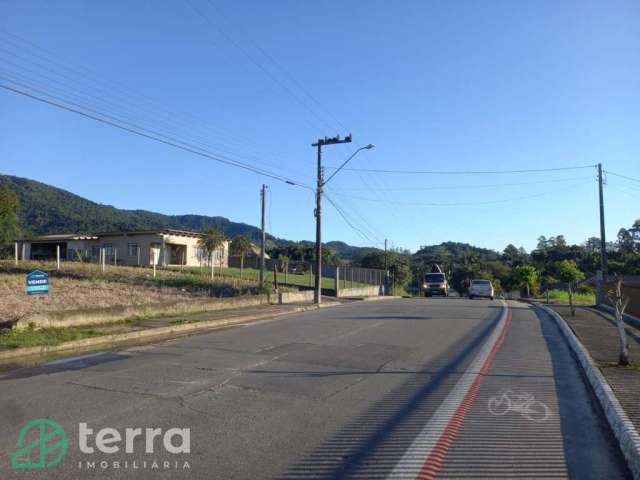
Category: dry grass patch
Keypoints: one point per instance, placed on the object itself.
(79, 286)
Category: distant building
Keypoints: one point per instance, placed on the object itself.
(141, 247)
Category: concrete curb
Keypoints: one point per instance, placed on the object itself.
(624, 430)
(168, 332)
(374, 299)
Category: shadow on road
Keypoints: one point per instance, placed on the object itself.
(388, 428)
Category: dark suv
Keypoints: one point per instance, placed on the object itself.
(435, 284)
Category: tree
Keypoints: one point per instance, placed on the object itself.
(526, 276)
(620, 305)
(569, 273)
(510, 253)
(241, 246)
(9, 219)
(211, 241)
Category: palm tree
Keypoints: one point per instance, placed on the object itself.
(212, 239)
(241, 246)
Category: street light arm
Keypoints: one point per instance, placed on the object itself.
(368, 147)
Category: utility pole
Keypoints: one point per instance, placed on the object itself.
(386, 271)
(317, 296)
(385, 255)
(603, 242)
(263, 195)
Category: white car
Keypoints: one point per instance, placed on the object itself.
(481, 288)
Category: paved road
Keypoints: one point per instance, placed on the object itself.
(420, 388)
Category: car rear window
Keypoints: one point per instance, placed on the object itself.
(481, 282)
(434, 277)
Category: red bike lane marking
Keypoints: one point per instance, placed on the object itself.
(433, 463)
(424, 458)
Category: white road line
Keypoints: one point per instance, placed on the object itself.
(413, 460)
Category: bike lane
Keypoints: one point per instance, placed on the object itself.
(534, 416)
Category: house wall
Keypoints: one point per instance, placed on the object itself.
(163, 243)
(193, 258)
(119, 248)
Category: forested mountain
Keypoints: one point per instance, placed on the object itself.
(45, 210)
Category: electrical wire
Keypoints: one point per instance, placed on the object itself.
(281, 68)
(457, 204)
(114, 113)
(106, 88)
(622, 176)
(463, 172)
(345, 217)
(151, 136)
(472, 186)
(357, 218)
(266, 71)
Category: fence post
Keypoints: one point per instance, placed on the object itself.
(337, 281)
(17, 254)
(104, 260)
(211, 262)
(57, 257)
(115, 256)
(153, 261)
(138, 255)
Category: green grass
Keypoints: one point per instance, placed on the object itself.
(298, 279)
(562, 295)
(400, 291)
(46, 336)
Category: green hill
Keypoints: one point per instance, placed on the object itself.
(46, 210)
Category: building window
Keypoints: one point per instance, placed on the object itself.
(108, 249)
(198, 252)
(132, 249)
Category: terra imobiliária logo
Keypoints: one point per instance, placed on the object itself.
(41, 443)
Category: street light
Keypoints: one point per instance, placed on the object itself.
(317, 296)
(368, 147)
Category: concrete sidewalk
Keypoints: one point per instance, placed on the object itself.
(598, 333)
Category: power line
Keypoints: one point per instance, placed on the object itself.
(463, 172)
(622, 176)
(260, 66)
(457, 204)
(470, 186)
(632, 193)
(156, 109)
(115, 114)
(152, 136)
(282, 69)
(348, 221)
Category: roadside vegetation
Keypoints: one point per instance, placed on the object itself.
(30, 337)
(544, 268)
(578, 298)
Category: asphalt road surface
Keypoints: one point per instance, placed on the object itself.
(406, 388)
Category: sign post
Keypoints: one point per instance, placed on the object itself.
(37, 283)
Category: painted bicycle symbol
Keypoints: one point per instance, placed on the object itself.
(523, 403)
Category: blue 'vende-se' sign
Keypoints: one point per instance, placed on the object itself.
(37, 283)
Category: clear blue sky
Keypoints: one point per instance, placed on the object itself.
(436, 85)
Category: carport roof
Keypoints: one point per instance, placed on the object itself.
(60, 237)
(96, 236)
